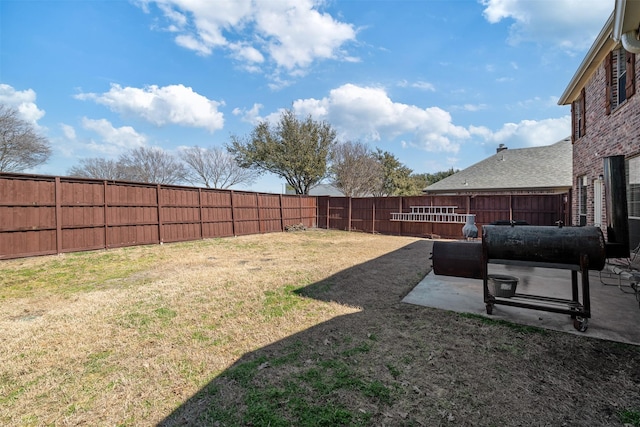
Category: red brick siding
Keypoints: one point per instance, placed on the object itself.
(606, 135)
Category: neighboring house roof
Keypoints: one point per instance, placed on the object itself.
(533, 168)
(622, 22)
(325, 190)
(320, 190)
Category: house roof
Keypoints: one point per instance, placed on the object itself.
(325, 190)
(320, 190)
(545, 167)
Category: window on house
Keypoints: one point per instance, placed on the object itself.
(620, 70)
(633, 199)
(578, 117)
(633, 187)
(619, 76)
(582, 200)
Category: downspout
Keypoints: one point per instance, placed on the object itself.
(630, 41)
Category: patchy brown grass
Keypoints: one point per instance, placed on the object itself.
(301, 328)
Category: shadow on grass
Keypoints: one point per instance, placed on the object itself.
(309, 378)
(404, 365)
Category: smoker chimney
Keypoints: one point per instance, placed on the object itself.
(615, 188)
(500, 148)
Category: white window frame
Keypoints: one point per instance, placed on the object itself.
(582, 184)
(619, 75)
(633, 187)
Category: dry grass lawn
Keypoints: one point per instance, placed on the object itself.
(301, 328)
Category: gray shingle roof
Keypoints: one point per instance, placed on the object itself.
(523, 168)
(325, 190)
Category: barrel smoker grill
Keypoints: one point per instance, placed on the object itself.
(577, 249)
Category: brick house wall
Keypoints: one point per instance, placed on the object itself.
(606, 135)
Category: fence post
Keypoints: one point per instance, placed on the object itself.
(258, 207)
(200, 213)
(328, 211)
(58, 196)
(400, 210)
(233, 214)
(106, 214)
(510, 208)
(281, 213)
(349, 215)
(373, 216)
(160, 226)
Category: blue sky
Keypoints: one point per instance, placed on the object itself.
(438, 83)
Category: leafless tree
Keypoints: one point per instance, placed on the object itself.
(215, 168)
(20, 146)
(100, 169)
(153, 165)
(355, 170)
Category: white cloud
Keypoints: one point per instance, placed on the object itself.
(368, 113)
(246, 53)
(417, 85)
(189, 42)
(250, 116)
(569, 24)
(113, 140)
(530, 133)
(174, 104)
(68, 131)
(23, 101)
(535, 103)
(292, 34)
(298, 34)
(472, 107)
(424, 86)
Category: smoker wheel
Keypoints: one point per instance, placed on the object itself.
(581, 323)
(489, 308)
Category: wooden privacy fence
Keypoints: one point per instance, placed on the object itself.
(42, 215)
(374, 214)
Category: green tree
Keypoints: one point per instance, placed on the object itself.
(432, 178)
(396, 179)
(419, 181)
(296, 150)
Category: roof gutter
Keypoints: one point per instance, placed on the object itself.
(618, 19)
(630, 39)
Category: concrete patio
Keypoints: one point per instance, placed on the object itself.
(615, 312)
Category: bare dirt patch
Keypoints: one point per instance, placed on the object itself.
(300, 328)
